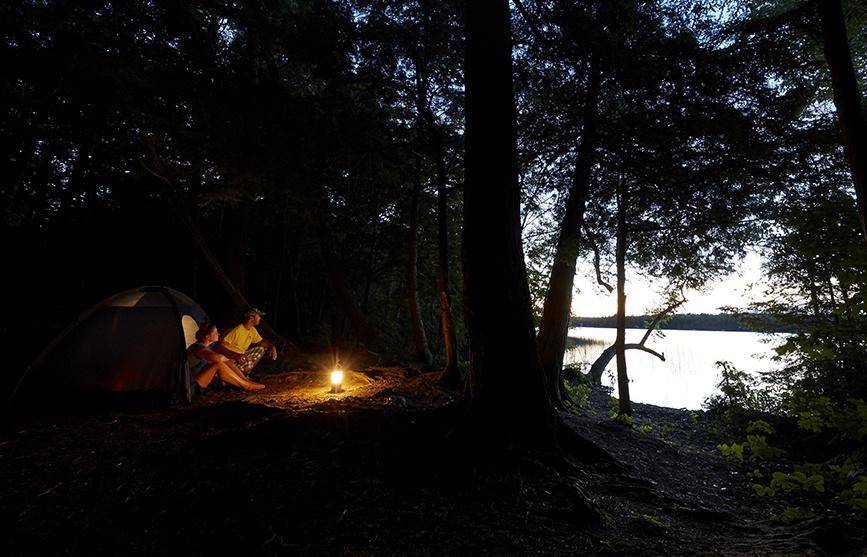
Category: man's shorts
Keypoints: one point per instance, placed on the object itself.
(254, 354)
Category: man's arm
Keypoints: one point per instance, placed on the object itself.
(271, 348)
(221, 348)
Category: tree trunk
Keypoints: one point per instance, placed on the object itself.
(368, 274)
(557, 311)
(505, 397)
(290, 266)
(625, 404)
(847, 99)
(451, 372)
(236, 231)
(598, 367)
(155, 168)
(344, 296)
(422, 351)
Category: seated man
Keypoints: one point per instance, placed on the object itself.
(244, 345)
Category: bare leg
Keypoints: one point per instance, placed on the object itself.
(235, 369)
(228, 375)
(205, 375)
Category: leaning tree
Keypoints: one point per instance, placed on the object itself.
(653, 135)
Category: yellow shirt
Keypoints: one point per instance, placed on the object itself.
(238, 338)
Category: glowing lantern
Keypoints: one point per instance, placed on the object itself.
(336, 381)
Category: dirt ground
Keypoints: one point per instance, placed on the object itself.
(295, 469)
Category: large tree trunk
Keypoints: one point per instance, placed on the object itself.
(557, 311)
(505, 400)
(505, 397)
(847, 99)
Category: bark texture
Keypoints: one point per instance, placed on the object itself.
(505, 398)
(847, 98)
(557, 311)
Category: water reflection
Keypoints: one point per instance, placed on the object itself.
(689, 373)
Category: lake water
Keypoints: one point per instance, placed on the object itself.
(689, 373)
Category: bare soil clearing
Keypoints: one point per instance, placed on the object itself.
(297, 470)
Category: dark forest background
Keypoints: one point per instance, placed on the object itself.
(308, 158)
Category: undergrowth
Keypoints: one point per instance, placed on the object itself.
(838, 484)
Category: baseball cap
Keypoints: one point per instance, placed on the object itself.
(253, 311)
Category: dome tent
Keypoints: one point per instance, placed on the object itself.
(130, 346)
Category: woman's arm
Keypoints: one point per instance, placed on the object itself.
(211, 356)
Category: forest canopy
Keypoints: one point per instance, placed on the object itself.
(309, 158)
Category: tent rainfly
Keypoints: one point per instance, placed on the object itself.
(131, 345)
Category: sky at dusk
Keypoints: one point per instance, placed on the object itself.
(591, 301)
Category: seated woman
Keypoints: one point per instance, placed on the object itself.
(205, 364)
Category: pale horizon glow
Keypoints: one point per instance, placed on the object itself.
(591, 300)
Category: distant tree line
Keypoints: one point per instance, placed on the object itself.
(684, 322)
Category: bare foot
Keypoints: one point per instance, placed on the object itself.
(254, 386)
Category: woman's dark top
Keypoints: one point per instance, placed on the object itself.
(196, 363)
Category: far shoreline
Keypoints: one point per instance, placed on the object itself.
(722, 322)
